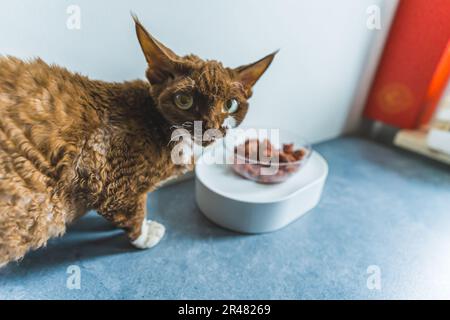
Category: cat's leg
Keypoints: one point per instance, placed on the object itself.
(151, 233)
(143, 233)
(147, 233)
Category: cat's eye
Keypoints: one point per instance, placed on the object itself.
(231, 106)
(183, 101)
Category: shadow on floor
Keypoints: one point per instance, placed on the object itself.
(92, 236)
(78, 244)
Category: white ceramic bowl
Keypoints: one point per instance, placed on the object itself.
(250, 207)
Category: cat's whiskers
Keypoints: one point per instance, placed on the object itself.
(184, 125)
(187, 124)
(176, 127)
(187, 84)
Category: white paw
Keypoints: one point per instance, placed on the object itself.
(151, 233)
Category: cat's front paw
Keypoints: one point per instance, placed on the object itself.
(151, 233)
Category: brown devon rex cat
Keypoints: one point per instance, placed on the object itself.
(69, 144)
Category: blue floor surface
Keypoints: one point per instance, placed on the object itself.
(385, 213)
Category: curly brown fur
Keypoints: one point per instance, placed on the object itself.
(69, 144)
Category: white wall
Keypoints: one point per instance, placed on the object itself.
(309, 88)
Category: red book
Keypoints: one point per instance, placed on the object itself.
(415, 46)
(436, 88)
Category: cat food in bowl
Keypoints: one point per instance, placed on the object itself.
(261, 161)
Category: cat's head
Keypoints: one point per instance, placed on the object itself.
(187, 89)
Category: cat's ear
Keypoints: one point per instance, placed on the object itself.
(161, 60)
(250, 73)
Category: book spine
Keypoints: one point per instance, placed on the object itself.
(415, 45)
(439, 134)
(436, 88)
